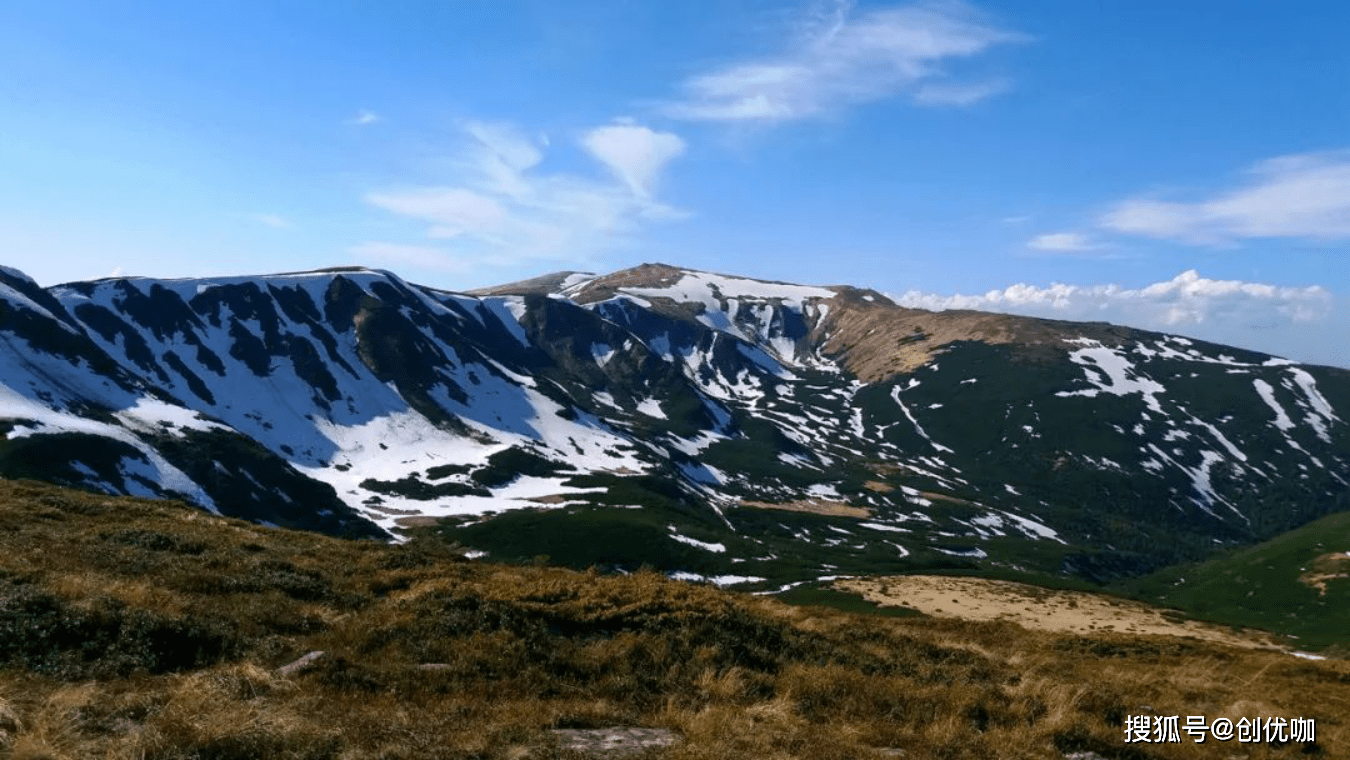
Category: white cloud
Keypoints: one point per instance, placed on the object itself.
(453, 210)
(634, 153)
(1062, 242)
(1187, 298)
(364, 118)
(499, 208)
(1276, 319)
(1298, 196)
(503, 156)
(271, 220)
(958, 94)
(840, 60)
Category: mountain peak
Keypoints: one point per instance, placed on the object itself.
(553, 282)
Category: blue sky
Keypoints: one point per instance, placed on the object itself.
(1178, 166)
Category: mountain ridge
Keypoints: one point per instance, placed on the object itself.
(349, 400)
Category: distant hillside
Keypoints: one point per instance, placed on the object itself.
(760, 434)
(1297, 583)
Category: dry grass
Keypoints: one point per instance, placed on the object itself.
(813, 506)
(877, 340)
(1038, 608)
(128, 631)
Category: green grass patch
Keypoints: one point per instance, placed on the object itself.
(820, 596)
(1269, 586)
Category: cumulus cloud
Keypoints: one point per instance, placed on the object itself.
(1185, 299)
(1297, 196)
(500, 208)
(1255, 315)
(841, 59)
(1062, 242)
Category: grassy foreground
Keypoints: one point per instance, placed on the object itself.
(149, 630)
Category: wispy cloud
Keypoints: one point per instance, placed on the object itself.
(271, 220)
(1275, 319)
(635, 154)
(421, 256)
(1297, 196)
(1063, 242)
(365, 118)
(959, 94)
(843, 59)
(500, 208)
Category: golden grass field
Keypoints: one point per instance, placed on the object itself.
(1075, 612)
(148, 630)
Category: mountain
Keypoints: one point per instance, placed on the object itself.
(718, 427)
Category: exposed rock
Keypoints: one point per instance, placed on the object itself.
(615, 742)
(300, 665)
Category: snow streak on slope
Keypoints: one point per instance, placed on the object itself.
(1121, 377)
(1267, 393)
(750, 310)
(33, 418)
(895, 394)
(709, 289)
(1320, 415)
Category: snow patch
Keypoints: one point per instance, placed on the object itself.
(1123, 377)
(652, 408)
(1321, 415)
(1267, 394)
(509, 310)
(717, 580)
(715, 548)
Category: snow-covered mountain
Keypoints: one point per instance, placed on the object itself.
(761, 429)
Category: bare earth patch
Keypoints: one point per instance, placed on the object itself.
(944, 497)
(1037, 608)
(814, 506)
(1327, 567)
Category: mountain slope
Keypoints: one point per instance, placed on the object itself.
(769, 433)
(1297, 583)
